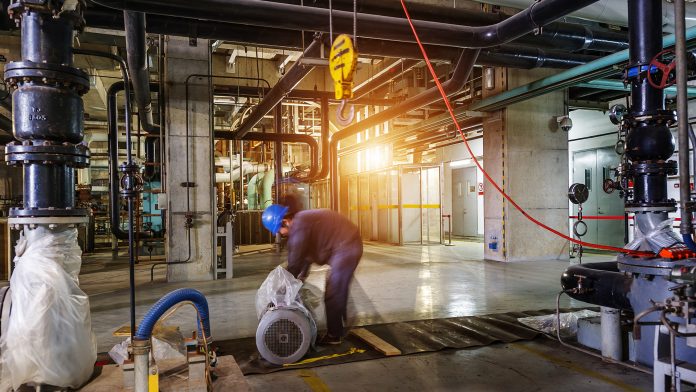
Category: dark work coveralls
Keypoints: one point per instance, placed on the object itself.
(326, 237)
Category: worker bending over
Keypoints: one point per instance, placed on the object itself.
(323, 237)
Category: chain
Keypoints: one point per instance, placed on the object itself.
(355, 24)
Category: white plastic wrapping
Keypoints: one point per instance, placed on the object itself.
(49, 339)
(662, 236)
(161, 350)
(279, 289)
(547, 323)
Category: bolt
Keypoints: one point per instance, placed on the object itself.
(32, 226)
(52, 226)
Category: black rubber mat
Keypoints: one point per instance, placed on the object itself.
(410, 337)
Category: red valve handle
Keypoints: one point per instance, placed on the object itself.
(666, 69)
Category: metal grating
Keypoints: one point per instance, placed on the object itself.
(283, 338)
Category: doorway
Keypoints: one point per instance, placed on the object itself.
(603, 211)
(464, 202)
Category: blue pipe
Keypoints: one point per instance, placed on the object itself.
(167, 302)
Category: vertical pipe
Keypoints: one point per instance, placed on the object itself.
(611, 333)
(278, 151)
(685, 227)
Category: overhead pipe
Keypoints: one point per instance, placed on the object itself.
(280, 137)
(286, 84)
(136, 47)
(391, 72)
(292, 40)
(461, 73)
(297, 17)
(599, 68)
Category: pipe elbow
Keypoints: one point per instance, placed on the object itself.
(165, 303)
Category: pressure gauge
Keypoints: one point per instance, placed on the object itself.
(578, 193)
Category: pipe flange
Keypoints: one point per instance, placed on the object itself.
(48, 213)
(66, 9)
(17, 73)
(657, 265)
(638, 208)
(667, 117)
(658, 167)
(47, 152)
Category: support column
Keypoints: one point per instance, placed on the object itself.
(526, 153)
(190, 214)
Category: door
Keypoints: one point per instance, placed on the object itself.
(603, 211)
(585, 172)
(609, 205)
(464, 202)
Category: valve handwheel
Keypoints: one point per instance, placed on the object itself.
(665, 70)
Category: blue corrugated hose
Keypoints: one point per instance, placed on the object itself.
(167, 302)
(689, 242)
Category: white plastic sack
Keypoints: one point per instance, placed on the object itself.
(547, 323)
(49, 339)
(279, 289)
(160, 349)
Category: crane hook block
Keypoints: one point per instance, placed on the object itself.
(342, 65)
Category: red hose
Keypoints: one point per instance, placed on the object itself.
(485, 174)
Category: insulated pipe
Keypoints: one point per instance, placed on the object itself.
(325, 150)
(519, 56)
(461, 73)
(296, 17)
(286, 84)
(283, 138)
(137, 65)
(599, 284)
(611, 333)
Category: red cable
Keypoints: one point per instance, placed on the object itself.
(485, 174)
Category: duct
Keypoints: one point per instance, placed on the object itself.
(283, 138)
(286, 84)
(137, 65)
(252, 185)
(602, 284)
(459, 77)
(295, 17)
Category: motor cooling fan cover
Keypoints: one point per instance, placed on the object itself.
(283, 335)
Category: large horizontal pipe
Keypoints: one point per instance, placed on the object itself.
(598, 284)
(459, 77)
(295, 17)
(505, 56)
(285, 85)
(280, 137)
(565, 35)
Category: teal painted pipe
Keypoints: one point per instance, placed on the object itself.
(618, 85)
(593, 70)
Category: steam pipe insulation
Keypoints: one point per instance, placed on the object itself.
(286, 84)
(598, 284)
(137, 65)
(292, 40)
(282, 138)
(296, 17)
(114, 195)
(461, 73)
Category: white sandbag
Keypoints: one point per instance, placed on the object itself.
(49, 338)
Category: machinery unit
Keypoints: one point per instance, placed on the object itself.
(284, 335)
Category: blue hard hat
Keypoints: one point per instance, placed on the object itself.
(272, 217)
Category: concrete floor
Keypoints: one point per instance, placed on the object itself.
(391, 284)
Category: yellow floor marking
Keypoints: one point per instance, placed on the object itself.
(579, 369)
(313, 381)
(352, 351)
